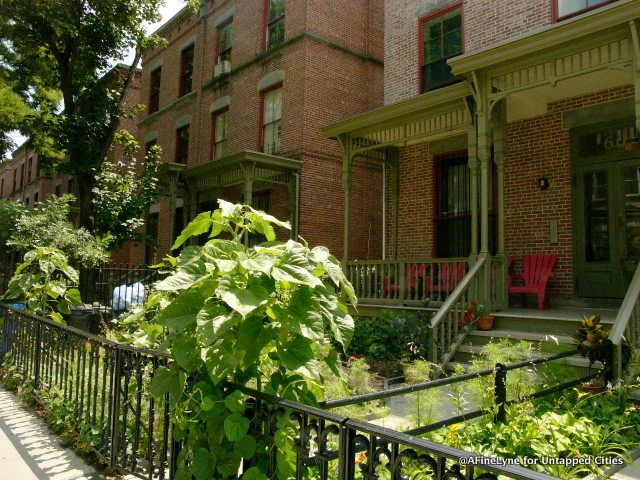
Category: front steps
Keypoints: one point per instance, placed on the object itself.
(550, 330)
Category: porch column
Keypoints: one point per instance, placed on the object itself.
(347, 160)
(635, 41)
(473, 191)
(499, 149)
(483, 119)
(248, 192)
(294, 187)
(393, 156)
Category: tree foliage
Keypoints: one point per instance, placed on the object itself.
(123, 192)
(48, 225)
(66, 46)
(46, 283)
(253, 316)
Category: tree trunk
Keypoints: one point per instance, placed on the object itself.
(85, 184)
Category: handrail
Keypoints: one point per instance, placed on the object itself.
(457, 293)
(626, 310)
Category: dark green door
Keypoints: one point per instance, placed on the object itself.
(607, 221)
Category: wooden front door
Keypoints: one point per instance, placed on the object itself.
(607, 221)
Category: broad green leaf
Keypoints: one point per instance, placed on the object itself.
(73, 295)
(245, 301)
(221, 362)
(161, 382)
(199, 225)
(235, 402)
(213, 321)
(298, 355)
(302, 316)
(254, 473)
(334, 270)
(186, 352)
(178, 281)
(334, 312)
(228, 209)
(54, 290)
(245, 447)
(182, 312)
(260, 263)
(294, 267)
(235, 426)
(204, 464)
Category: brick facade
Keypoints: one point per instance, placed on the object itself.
(331, 64)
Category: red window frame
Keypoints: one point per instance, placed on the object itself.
(426, 18)
(182, 148)
(186, 70)
(261, 123)
(155, 78)
(268, 24)
(557, 18)
(226, 53)
(214, 140)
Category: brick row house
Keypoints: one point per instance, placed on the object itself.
(237, 99)
(23, 180)
(509, 129)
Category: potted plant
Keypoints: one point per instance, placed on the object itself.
(478, 315)
(592, 339)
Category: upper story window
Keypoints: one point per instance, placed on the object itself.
(186, 70)
(441, 38)
(220, 121)
(275, 23)
(1, 187)
(567, 8)
(154, 90)
(182, 145)
(29, 169)
(225, 34)
(21, 175)
(271, 119)
(15, 180)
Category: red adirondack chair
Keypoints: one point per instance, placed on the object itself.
(413, 275)
(451, 275)
(538, 269)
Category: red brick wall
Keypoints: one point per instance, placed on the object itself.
(487, 23)
(539, 147)
(323, 84)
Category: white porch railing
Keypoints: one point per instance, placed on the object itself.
(447, 329)
(406, 282)
(627, 324)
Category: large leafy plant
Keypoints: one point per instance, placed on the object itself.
(250, 316)
(45, 283)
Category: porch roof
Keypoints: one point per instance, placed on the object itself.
(428, 116)
(237, 168)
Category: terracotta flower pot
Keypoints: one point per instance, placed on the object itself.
(485, 322)
(593, 387)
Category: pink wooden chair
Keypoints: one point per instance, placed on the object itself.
(538, 269)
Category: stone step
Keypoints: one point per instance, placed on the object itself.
(481, 337)
(552, 321)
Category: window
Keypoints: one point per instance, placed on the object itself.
(154, 90)
(441, 39)
(71, 185)
(35, 199)
(567, 8)
(271, 118)
(21, 175)
(453, 211)
(225, 32)
(182, 145)
(148, 146)
(26, 201)
(29, 169)
(219, 133)
(15, 180)
(152, 238)
(186, 70)
(275, 23)
(1, 187)
(58, 190)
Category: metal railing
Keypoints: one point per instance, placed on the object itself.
(406, 282)
(447, 328)
(105, 386)
(627, 323)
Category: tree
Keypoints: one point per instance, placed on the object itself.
(67, 46)
(123, 192)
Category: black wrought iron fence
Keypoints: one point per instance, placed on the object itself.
(105, 386)
(102, 385)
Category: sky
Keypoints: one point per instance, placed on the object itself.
(170, 8)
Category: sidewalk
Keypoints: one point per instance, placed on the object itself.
(28, 451)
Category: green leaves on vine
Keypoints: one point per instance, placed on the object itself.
(255, 317)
